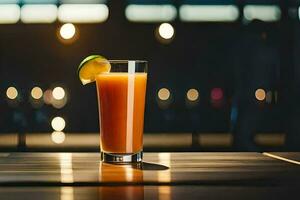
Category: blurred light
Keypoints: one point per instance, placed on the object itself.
(267, 13)
(39, 1)
(67, 193)
(260, 94)
(9, 1)
(67, 31)
(58, 123)
(163, 94)
(129, 173)
(213, 140)
(11, 93)
(150, 13)
(192, 94)
(9, 13)
(164, 175)
(38, 13)
(270, 139)
(59, 103)
(48, 97)
(58, 137)
(82, 1)
(216, 94)
(66, 169)
(58, 93)
(208, 13)
(36, 93)
(83, 13)
(299, 12)
(166, 31)
(164, 193)
(59, 99)
(166, 140)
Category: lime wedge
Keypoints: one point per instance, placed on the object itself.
(91, 66)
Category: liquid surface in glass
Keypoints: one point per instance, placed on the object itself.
(119, 133)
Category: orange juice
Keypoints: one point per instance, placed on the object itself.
(121, 101)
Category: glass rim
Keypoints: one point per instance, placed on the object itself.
(126, 61)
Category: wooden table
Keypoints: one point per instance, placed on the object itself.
(73, 176)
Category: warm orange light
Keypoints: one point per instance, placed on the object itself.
(36, 93)
(67, 31)
(192, 94)
(164, 94)
(260, 94)
(11, 93)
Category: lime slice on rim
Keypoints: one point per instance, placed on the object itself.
(91, 66)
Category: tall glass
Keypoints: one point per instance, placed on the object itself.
(121, 102)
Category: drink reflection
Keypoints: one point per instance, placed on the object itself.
(123, 174)
(66, 169)
(164, 192)
(66, 172)
(165, 160)
(66, 193)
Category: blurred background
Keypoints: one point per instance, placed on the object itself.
(223, 74)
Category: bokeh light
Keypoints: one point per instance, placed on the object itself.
(192, 95)
(38, 13)
(9, 13)
(67, 31)
(58, 104)
(58, 137)
(82, 11)
(48, 97)
(216, 94)
(36, 93)
(260, 94)
(164, 94)
(12, 93)
(166, 31)
(58, 93)
(58, 123)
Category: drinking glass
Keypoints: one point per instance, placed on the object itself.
(121, 102)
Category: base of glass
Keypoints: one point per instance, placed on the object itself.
(121, 158)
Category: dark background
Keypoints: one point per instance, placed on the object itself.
(238, 57)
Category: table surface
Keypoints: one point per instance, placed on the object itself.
(164, 175)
